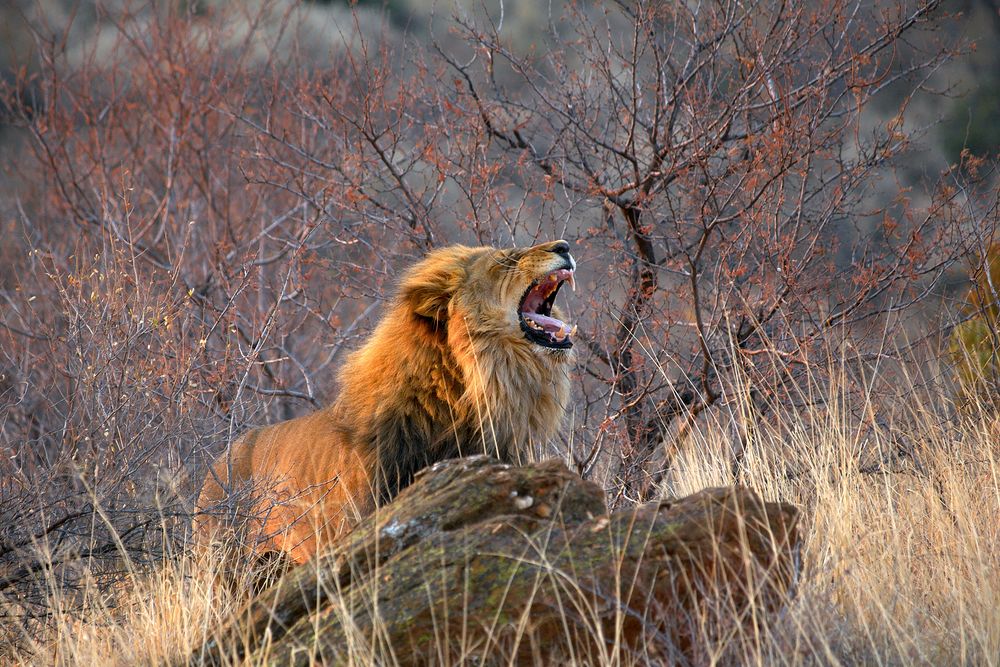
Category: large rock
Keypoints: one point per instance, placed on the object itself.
(478, 560)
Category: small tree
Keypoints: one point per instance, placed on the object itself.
(729, 150)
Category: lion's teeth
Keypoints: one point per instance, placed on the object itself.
(572, 332)
(572, 281)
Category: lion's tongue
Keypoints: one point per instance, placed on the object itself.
(549, 324)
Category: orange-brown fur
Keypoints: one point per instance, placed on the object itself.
(447, 372)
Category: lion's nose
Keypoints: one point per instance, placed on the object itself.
(560, 248)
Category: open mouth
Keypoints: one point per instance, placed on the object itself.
(535, 312)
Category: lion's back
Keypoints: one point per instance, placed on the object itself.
(298, 483)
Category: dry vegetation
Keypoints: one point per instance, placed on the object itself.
(204, 206)
(899, 566)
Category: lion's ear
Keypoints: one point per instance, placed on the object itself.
(428, 287)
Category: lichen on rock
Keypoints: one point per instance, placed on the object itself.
(460, 566)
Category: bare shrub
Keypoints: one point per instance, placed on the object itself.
(155, 301)
(743, 233)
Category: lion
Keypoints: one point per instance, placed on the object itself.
(472, 356)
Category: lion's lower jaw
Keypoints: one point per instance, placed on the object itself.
(513, 344)
(560, 354)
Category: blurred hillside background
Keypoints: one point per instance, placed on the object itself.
(960, 120)
(958, 111)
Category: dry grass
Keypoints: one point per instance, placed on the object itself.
(901, 557)
(900, 564)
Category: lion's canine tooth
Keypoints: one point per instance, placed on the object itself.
(572, 281)
(572, 332)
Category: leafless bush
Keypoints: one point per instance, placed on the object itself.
(155, 302)
(729, 148)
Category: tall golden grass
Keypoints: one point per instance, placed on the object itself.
(900, 564)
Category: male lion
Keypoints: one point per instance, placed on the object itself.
(471, 357)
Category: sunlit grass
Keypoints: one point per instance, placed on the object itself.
(900, 561)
